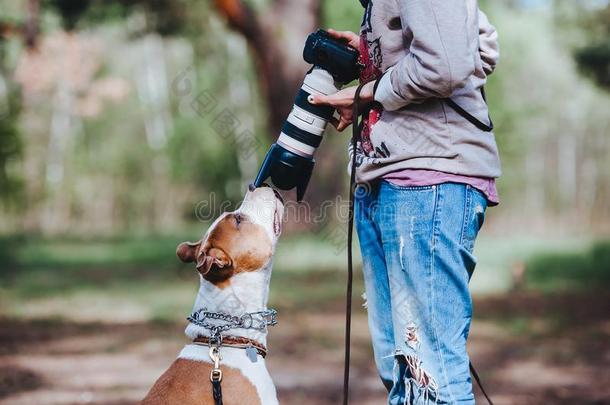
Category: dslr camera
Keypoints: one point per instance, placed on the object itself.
(290, 160)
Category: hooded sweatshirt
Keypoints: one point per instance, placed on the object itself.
(428, 50)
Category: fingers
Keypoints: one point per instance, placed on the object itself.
(346, 35)
(351, 38)
(340, 123)
(343, 98)
(316, 99)
(335, 121)
(335, 100)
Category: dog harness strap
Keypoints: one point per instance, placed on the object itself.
(237, 342)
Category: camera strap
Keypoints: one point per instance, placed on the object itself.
(469, 117)
(356, 129)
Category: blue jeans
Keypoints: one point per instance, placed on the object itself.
(416, 245)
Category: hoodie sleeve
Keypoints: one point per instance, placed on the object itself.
(489, 48)
(440, 59)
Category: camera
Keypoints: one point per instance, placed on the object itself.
(338, 59)
(290, 160)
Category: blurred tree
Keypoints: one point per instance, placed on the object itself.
(595, 57)
(10, 140)
(276, 35)
(10, 104)
(70, 11)
(27, 29)
(118, 118)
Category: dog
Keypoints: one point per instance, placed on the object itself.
(234, 260)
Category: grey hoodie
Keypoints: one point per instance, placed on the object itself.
(430, 50)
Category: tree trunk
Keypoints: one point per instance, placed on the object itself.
(276, 38)
(241, 98)
(32, 25)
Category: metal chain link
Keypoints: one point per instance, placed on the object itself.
(259, 320)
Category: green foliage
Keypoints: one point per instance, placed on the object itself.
(143, 273)
(585, 28)
(57, 276)
(9, 250)
(572, 270)
(343, 15)
(10, 152)
(551, 123)
(595, 60)
(10, 139)
(166, 17)
(70, 11)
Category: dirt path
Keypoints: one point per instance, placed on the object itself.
(532, 357)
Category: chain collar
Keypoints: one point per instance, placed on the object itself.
(218, 322)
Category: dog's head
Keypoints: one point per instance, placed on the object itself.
(238, 241)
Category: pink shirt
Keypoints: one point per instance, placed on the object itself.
(422, 177)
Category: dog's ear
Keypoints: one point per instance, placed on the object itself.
(213, 257)
(187, 251)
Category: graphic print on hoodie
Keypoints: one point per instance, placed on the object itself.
(370, 57)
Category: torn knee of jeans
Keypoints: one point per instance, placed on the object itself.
(411, 336)
(415, 371)
(420, 375)
(419, 383)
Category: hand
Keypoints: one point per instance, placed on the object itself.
(348, 37)
(343, 101)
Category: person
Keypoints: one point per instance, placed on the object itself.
(426, 175)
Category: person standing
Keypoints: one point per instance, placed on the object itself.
(427, 162)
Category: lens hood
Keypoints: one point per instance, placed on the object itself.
(286, 169)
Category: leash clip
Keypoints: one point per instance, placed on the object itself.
(216, 374)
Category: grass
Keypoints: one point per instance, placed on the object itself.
(135, 278)
(588, 269)
(498, 256)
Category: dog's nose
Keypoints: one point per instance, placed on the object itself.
(252, 187)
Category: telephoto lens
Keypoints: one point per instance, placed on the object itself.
(290, 161)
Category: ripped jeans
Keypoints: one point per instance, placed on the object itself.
(416, 245)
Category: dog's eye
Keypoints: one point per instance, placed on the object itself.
(238, 219)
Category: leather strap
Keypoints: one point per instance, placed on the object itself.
(217, 392)
(350, 234)
(476, 377)
(471, 118)
(236, 341)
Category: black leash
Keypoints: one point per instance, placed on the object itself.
(350, 271)
(350, 234)
(217, 392)
(476, 377)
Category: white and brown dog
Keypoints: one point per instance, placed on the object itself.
(234, 259)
